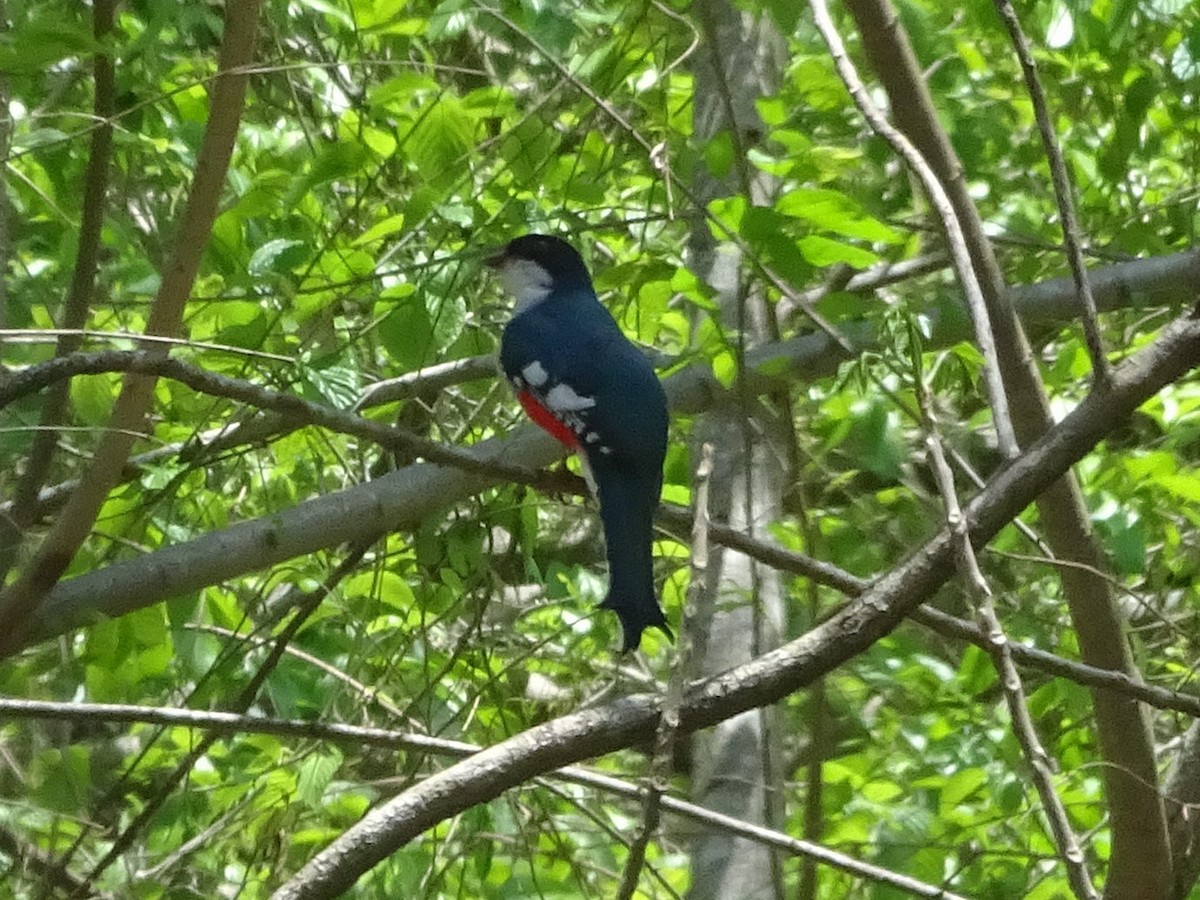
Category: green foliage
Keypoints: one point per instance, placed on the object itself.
(384, 146)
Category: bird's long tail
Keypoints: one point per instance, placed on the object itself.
(627, 507)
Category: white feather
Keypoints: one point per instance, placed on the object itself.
(534, 374)
(526, 281)
(562, 399)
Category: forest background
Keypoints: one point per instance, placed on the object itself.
(280, 555)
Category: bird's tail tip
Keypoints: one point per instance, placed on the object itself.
(635, 618)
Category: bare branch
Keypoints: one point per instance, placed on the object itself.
(428, 379)
(1063, 191)
(293, 407)
(87, 259)
(959, 254)
(1000, 651)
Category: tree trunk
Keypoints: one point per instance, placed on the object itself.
(742, 611)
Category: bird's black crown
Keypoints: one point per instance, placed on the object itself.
(553, 254)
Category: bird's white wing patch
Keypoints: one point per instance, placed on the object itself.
(535, 375)
(562, 398)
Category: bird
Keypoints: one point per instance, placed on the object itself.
(581, 379)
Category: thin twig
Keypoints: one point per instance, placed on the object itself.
(223, 723)
(1000, 651)
(960, 255)
(87, 261)
(1063, 194)
(366, 692)
(668, 724)
(289, 405)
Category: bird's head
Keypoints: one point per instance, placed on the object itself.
(535, 265)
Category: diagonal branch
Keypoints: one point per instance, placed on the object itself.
(72, 527)
(1000, 650)
(955, 240)
(767, 678)
(295, 408)
(87, 261)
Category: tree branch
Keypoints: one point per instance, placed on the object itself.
(1063, 191)
(294, 408)
(72, 527)
(87, 261)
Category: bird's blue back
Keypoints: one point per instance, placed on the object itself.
(577, 341)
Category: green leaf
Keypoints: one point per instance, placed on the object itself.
(724, 366)
(959, 786)
(976, 673)
(339, 160)
(314, 776)
(389, 226)
(822, 251)
(279, 255)
(441, 139)
(407, 333)
(1186, 487)
(1139, 96)
(93, 397)
(36, 45)
(834, 211)
(1127, 543)
(387, 587)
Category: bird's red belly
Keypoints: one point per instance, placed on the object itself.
(547, 420)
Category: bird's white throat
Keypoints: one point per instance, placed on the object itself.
(526, 281)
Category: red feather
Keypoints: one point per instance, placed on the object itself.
(547, 420)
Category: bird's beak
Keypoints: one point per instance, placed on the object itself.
(496, 260)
